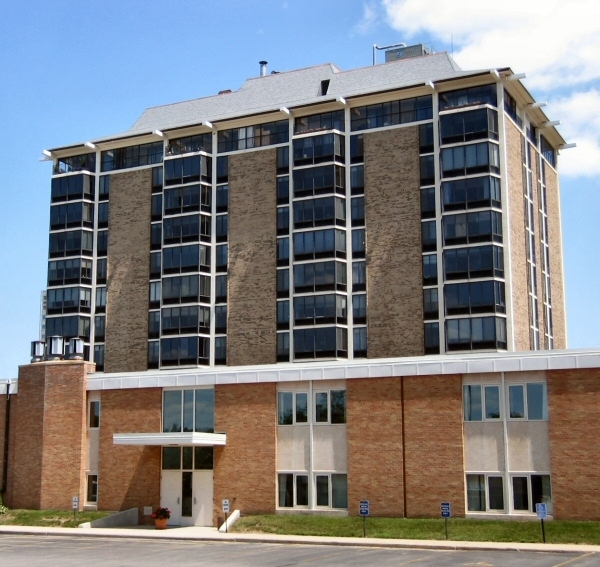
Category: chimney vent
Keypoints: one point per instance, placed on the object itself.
(76, 349)
(55, 348)
(37, 351)
(263, 68)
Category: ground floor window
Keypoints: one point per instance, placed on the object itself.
(92, 488)
(529, 490)
(485, 493)
(328, 490)
(187, 458)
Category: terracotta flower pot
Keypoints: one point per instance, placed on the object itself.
(160, 523)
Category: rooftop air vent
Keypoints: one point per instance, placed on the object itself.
(226, 91)
(55, 348)
(263, 68)
(76, 349)
(37, 351)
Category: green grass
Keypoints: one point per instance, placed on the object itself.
(460, 529)
(48, 518)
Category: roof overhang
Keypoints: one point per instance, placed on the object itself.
(174, 439)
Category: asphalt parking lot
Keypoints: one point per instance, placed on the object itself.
(39, 550)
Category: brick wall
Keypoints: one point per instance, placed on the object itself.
(574, 425)
(433, 433)
(252, 277)
(538, 244)
(393, 243)
(518, 252)
(2, 435)
(47, 437)
(559, 316)
(128, 272)
(374, 409)
(246, 468)
(129, 475)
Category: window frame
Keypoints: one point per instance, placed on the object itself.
(328, 392)
(524, 386)
(294, 394)
(483, 401)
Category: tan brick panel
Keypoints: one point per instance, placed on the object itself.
(375, 453)
(518, 250)
(559, 316)
(3, 404)
(246, 468)
(129, 475)
(252, 277)
(574, 424)
(393, 243)
(128, 272)
(433, 437)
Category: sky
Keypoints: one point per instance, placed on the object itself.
(74, 70)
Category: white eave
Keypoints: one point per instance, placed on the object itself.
(176, 439)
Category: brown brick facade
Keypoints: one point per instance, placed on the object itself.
(3, 409)
(252, 277)
(129, 475)
(518, 252)
(574, 422)
(47, 448)
(374, 429)
(128, 272)
(559, 316)
(433, 432)
(246, 468)
(393, 243)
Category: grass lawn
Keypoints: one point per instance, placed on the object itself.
(459, 529)
(48, 518)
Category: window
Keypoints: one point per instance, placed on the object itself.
(318, 309)
(221, 319)
(474, 297)
(360, 342)
(428, 203)
(358, 243)
(188, 170)
(191, 228)
(94, 421)
(104, 188)
(155, 265)
(153, 324)
(132, 156)
(283, 250)
(430, 276)
(157, 179)
(253, 136)
(311, 245)
(186, 289)
(283, 189)
(220, 350)
(359, 276)
(359, 308)
(68, 327)
(283, 347)
(154, 294)
(99, 328)
(63, 272)
(292, 408)
(471, 228)
(92, 488)
(476, 333)
(357, 149)
(103, 215)
(72, 215)
(99, 357)
(357, 211)
(222, 253)
(476, 493)
(283, 314)
(187, 199)
(357, 179)
(547, 151)
(320, 342)
(283, 160)
(330, 407)
(292, 490)
(428, 236)
(182, 259)
(432, 338)
(71, 243)
(222, 198)
(469, 97)
(474, 192)
(100, 270)
(100, 299)
(391, 113)
(102, 243)
(528, 401)
(184, 351)
(153, 354)
(222, 169)
(319, 180)
(283, 220)
(425, 138)
(283, 282)
(189, 144)
(467, 126)
(220, 289)
(189, 410)
(324, 211)
(476, 262)
(319, 276)
(331, 490)
(221, 228)
(427, 170)
(197, 458)
(68, 300)
(471, 159)
(318, 149)
(155, 236)
(430, 304)
(72, 188)
(81, 162)
(529, 490)
(185, 320)
(478, 408)
(324, 121)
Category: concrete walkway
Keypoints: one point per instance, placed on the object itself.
(211, 534)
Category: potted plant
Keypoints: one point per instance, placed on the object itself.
(161, 517)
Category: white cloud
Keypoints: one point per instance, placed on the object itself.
(554, 41)
(369, 18)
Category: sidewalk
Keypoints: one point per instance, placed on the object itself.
(211, 534)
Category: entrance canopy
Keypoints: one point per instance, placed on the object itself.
(176, 439)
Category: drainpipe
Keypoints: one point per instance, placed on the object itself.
(6, 435)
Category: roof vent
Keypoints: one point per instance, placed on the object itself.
(263, 68)
(55, 348)
(225, 91)
(37, 351)
(324, 87)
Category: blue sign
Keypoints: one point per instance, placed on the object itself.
(363, 508)
(446, 511)
(541, 510)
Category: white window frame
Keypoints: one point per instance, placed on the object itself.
(328, 392)
(531, 506)
(483, 407)
(87, 485)
(329, 490)
(525, 401)
(296, 474)
(89, 417)
(487, 510)
(294, 407)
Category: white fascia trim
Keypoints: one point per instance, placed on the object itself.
(176, 439)
(350, 369)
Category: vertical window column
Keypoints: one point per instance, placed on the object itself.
(284, 263)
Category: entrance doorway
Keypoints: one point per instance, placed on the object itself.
(186, 486)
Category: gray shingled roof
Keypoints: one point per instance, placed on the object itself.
(293, 88)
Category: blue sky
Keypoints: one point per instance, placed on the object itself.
(72, 70)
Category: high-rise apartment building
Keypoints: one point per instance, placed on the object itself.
(402, 209)
(258, 275)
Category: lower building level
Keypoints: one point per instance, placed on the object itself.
(493, 434)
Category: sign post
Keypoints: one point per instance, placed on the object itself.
(226, 511)
(363, 510)
(542, 514)
(75, 506)
(446, 513)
